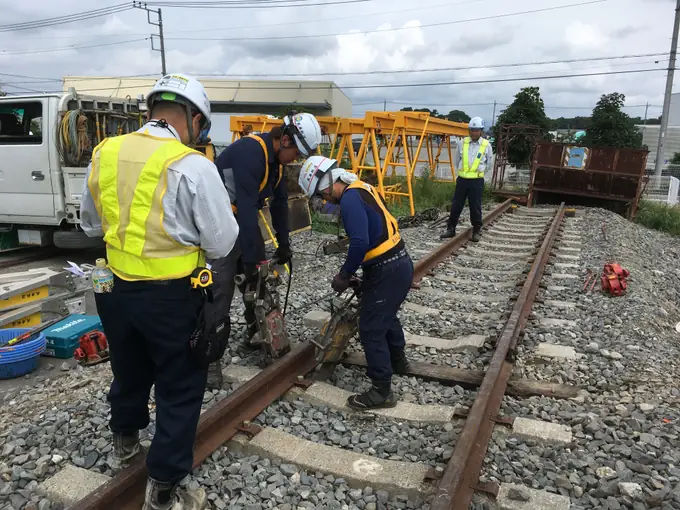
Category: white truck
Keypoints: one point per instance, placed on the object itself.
(46, 142)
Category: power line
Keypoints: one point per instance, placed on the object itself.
(264, 4)
(301, 87)
(441, 69)
(315, 21)
(68, 18)
(394, 71)
(425, 25)
(67, 48)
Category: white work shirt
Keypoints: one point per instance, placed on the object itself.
(486, 163)
(196, 206)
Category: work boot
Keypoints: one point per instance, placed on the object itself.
(215, 376)
(125, 447)
(400, 363)
(168, 496)
(476, 236)
(379, 396)
(247, 336)
(448, 234)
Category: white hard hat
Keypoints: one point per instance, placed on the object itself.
(312, 171)
(305, 130)
(476, 123)
(172, 87)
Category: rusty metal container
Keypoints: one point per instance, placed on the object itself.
(602, 176)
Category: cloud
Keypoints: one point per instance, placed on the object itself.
(369, 43)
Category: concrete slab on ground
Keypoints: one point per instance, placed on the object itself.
(566, 265)
(315, 319)
(520, 497)
(507, 247)
(554, 351)
(469, 343)
(328, 395)
(463, 282)
(565, 305)
(564, 276)
(556, 288)
(568, 249)
(426, 310)
(479, 251)
(71, 484)
(542, 431)
(455, 296)
(560, 323)
(567, 256)
(491, 272)
(322, 393)
(397, 478)
(509, 234)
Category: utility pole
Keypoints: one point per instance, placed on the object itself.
(658, 167)
(159, 24)
(385, 105)
(644, 122)
(493, 117)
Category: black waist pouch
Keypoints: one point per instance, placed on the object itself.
(211, 336)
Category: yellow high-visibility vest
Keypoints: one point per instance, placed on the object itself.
(266, 168)
(128, 181)
(466, 171)
(393, 236)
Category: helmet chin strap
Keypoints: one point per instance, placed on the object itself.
(190, 126)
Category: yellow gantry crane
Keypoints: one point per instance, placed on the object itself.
(389, 140)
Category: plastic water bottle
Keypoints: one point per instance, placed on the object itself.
(102, 277)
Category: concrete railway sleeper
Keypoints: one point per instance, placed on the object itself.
(288, 384)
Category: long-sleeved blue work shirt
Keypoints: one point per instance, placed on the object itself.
(242, 167)
(366, 228)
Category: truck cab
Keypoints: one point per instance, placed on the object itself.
(46, 141)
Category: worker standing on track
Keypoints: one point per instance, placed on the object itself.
(161, 208)
(376, 246)
(251, 168)
(474, 157)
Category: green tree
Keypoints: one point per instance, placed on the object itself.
(527, 108)
(457, 116)
(675, 160)
(433, 113)
(610, 126)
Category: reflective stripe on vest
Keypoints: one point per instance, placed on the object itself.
(467, 172)
(393, 236)
(128, 181)
(263, 184)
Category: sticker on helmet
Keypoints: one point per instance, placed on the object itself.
(173, 81)
(298, 118)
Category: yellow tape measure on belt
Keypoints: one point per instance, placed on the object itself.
(201, 277)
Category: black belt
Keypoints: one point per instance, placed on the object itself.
(399, 255)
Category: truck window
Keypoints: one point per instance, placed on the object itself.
(21, 123)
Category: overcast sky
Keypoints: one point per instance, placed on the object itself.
(605, 28)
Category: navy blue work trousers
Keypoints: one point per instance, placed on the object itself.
(384, 290)
(472, 190)
(148, 326)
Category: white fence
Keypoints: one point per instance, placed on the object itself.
(663, 189)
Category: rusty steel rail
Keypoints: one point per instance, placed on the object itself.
(428, 263)
(217, 425)
(458, 482)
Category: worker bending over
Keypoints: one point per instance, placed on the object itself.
(474, 157)
(251, 170)
(161, 208)
(376, 246)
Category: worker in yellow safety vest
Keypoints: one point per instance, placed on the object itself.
(162, 209)
(377, 247)
(475, 156)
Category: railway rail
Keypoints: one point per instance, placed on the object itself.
(454, 488)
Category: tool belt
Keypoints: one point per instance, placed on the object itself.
(211, 335)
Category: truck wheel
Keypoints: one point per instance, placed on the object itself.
(76, 240)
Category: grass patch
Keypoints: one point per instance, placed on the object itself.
(659, 216)
(320, 224)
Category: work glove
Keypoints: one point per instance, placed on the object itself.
(283, 254)
(340, 282)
